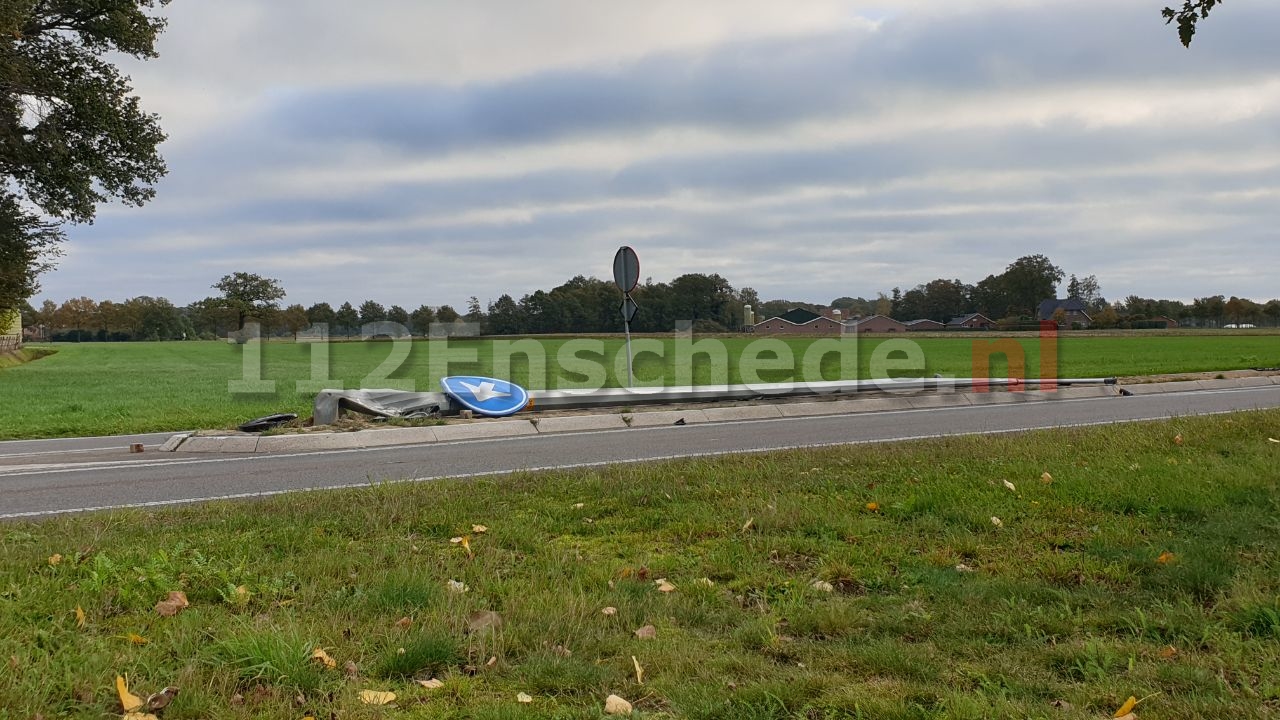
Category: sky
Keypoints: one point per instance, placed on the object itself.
(421, 153)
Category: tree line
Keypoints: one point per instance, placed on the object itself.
(590, 305)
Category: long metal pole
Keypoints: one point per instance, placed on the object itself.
(631, 375)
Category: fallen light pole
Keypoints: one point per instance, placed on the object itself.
(397, 403)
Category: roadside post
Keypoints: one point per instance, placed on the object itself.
(626, 275)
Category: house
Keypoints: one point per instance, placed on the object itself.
(10, 330)
(1168, 322)
(877, 324)
(1074, 311)
(925, 326)
(972, 321)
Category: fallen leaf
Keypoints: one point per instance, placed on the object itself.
(479, 529)
(404, 623)
(457, 587)
(170, 606)
(139, 716)
(1011, 486)
(484, 620)
(664, 586)
(323, 658)
(873, 507)
(639, 670)
(706, 582)
(1130, 716)
(642, 574)
(54, 559)
(128, 700)
(1177, 439)
(579, 506)
(1046, 478)
(614, 705)
(136, 639)
(350, 670)
(822, 586)
(961, 567)
(432, 684)
(1165, 558)
(746, 527)
(524, 698)
(456, 540)
(80, 618)
(1169, 652)
(648, 632)
(466, 545)
(997, 521)
(609, 611)
(1129, 704)
(562, 651)
(377, 697)
(493, 660)
(159, 701)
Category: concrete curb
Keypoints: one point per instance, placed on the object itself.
(310, 442)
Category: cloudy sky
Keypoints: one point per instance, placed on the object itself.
(420, 153)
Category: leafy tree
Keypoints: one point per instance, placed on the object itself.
(1192, 11)
(72, 134)
(1087, 290)
(397, 314)
(249, 295)
(505, 317)
(29, 315)
(371, 311)
(295, 319)
(347, 319)
(446, 314)
(420, 320)
(1029, 280)
(78, 314)
(321, 314)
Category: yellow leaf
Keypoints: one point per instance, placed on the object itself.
(322, 657)
(466, 544)
(479, 529)
(432, 684)
(873, 507)
(54, 559)
(80, 619)
(664, 586)
(1177, 440)
(139, 716)
(997, 521)
(639, 670)
(1169, 652)
(1127, 707)
(1011, 486)
(136, 639)
(1165, 558)
(1046, 478)
(524, 698)
(404, 623)
(610, 611)
(376, 697)
(128, 700)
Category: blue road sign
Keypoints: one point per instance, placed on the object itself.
(486, 396)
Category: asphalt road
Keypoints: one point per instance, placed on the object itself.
(64, 485)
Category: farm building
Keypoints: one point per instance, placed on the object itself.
(878, 324)
(1074, 311)
(972, 321)
(925, 326)
(805, 322)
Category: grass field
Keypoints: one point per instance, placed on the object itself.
(1148, 566)
(98, 389)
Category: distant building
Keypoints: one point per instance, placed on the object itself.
(1075, 312)
(1169, 323)
(972, 321)
(925, 326)
(877, 324)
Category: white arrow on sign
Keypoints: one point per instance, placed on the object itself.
(484, 391)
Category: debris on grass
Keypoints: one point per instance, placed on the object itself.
(432, 684)
(377, 697)
(524, 698)
(128, 700)
(648, 632)
(171, 605)
(614, 705)
(322, 657)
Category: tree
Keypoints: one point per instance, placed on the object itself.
(420, 320)
(72, 134)
(347, 318)
(78, 314)
(398, 315)
(249, 295)
(321, 314)
(1192, 12)
(371, 312)
(475, 313)
(446, 314)
(1029, 280)
(505, 317)
(295, 319)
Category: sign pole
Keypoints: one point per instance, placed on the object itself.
(626, 275)
(626, 323)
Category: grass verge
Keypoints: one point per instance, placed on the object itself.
(1147, 562)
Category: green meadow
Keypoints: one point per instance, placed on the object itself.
(100, 389)
(1041, 575)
